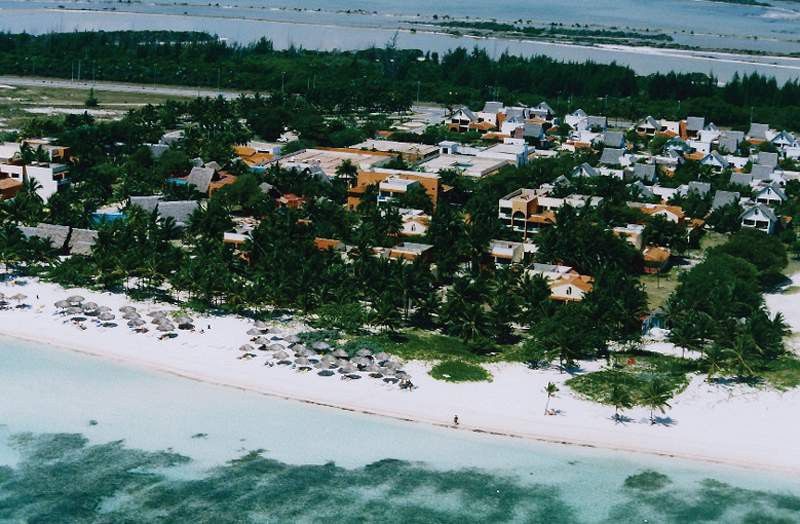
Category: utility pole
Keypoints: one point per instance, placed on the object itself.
(283, 81)
(79, 70)
(219, 76)
(418, 87)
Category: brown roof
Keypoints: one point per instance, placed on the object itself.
(656, 254)
(324, 244)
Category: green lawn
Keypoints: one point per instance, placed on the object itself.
(418, 345)
(460, 371)
(659, 287)
(634, 376)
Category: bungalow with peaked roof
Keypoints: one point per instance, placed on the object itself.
(699, 188)
(727, 144)
(741, 179)
(584, 170)
(199, 179)
(765, 158)
(771, 195)
(724, 198)
(614, 139)
(533, 132)
(784, 139)
(757, 133)
(613, 157)
(649, 126)
(329, 244)
(461, 119)
(759, 172)
(759, 217)
(644, 172)
(694, 125)
(715, 161)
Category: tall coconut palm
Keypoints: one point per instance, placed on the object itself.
(620, 398)
(656, 397)
(550, 389)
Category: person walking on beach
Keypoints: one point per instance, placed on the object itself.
(455, 420)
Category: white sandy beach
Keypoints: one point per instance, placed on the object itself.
(733, 425)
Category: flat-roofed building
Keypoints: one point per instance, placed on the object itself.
(468, 165)
(528, 210)
(409, 152)
(327, 160)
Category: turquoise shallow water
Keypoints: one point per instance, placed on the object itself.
(86, 440)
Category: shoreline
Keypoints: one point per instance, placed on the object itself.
(401, 418)
(492, 409)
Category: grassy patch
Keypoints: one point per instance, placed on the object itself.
(659, 288)
(784, 373)
(418, 345)
(633, 372)
(460, 371)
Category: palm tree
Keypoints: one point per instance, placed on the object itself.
(656, 397)
(348, 172)
(621, 399)
(551, 390)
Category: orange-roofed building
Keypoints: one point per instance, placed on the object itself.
(325, 244)
(571, 287)
(9, 187)
(291, 201)
(656, 259)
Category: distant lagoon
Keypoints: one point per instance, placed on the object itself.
(85, 439)
(705, 24)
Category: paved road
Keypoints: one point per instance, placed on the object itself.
(119, 87)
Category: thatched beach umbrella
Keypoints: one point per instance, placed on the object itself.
(294, 339)
(157, 314)
(361, 362)
(166, 326)
(261, 341)
(253, 332)
(184, 322)
(103, 309)
(246, 348)
(275, 347)
(321, 346)
(127, 309)
(322, 364)
(374, 371)
(303, 362)
(136, 322)
(347, 368)
(61, 304)
(382, 357)
(130, 315)
(281, 355)
(19, 297)
(105, 316)
(363, 353)
(260, 325)
(75, 299)
(340, 353)
(73, 310)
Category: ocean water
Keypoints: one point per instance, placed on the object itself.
(84, 439)
(357, 24)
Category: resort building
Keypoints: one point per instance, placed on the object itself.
(527, 210)
(395, 182)
(409, 152)
(326, 160)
